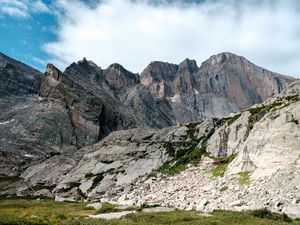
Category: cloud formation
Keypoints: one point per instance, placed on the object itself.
(22, 8)
(133, 33)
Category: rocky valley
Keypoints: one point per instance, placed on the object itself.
(224, 135)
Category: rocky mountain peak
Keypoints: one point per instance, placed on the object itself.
(17, 78)
(85, 62)
(22, 68)
(53, 72)
(223, 57)
(119, 78)
(158, 71)
(188, 64)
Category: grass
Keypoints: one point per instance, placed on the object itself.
(38, 187)
(244, 178)
(172, 167)
(71, 185)
(48, 212)
(222, 164)
(185, 153)
(231, 120)
(97, 178)
(179, 163)
(26, 211)
(224, 188)
(265, 213)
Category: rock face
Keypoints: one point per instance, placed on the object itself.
(247, 161)
(85, 103)
(115, 163)
(17, 78)
(223, 84)
(253, 163)
(89, 133)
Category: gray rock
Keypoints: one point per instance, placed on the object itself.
(96, 205)
(109, 216)
(158, 209)
(292, 211)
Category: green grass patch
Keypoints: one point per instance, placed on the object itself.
(231, 120)
(273, 117)
(172, 167)
(98, 178)
(147, 138)
(107, 208)
(48, 212)
(222, 164)
(71, 185)
(4, 178)
(186, 153)
(38, 187)
(264, 108)
(19, 211)
(224, 188)
(267, 214)
(244, 178)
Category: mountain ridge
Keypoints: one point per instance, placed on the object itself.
(69, 110)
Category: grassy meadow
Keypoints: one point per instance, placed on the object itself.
(15, 211)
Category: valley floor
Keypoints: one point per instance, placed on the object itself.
(47, 212)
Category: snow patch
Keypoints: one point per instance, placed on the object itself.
(6, 122)
(196, 92)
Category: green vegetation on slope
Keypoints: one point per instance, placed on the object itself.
(48, 212)
(184, 155)
(222, 164)
(244, 178)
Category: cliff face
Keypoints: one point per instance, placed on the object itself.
(70, 135)
(223, 84)
(244, 162)
(59, 112)
(17, 78)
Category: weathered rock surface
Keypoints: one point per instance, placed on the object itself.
(263, 143)
(92, 134)
(115, 215)
(103, 170)
(16, 78)
(223, 84)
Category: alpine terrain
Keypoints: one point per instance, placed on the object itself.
(222, 135)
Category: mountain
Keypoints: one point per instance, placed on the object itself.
(244, 162)
(61, 112)
(17, 78)
(162, 137)
(223, 84)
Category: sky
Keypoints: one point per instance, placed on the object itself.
(136, 32)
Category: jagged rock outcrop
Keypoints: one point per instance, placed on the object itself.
(223, 84)
(16, 78)
(117, 162)
(94, 112)
(247, 161)
(67, 140)
(253, 163)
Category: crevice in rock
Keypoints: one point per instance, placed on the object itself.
(73, 126)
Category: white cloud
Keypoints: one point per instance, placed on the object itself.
(14, 11)
(22, 8)
(16, 8)
(134, 33)
(40, 6)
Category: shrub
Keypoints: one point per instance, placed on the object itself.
(267, 214)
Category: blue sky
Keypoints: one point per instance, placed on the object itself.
(133, 33)
(23, 35)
